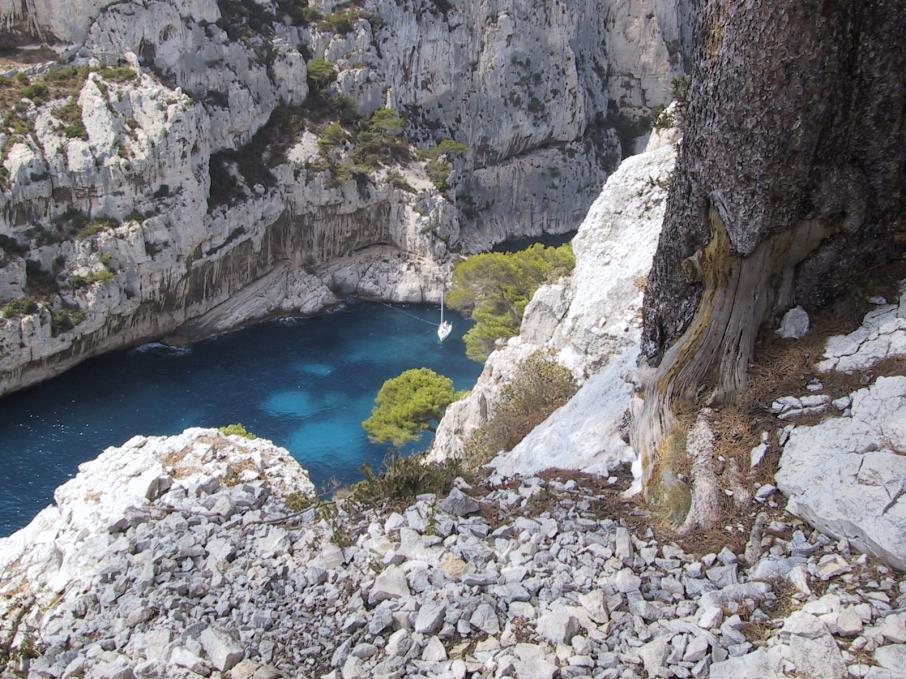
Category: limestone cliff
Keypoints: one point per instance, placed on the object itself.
(589, 323)
(140, 197)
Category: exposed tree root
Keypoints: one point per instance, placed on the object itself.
(704, 511)
(708, 363)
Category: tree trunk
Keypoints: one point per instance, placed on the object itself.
(789, 185)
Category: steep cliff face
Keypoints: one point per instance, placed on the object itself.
(148, 194)
(589, 323)
(778, 199)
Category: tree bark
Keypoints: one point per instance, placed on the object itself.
(789, 184)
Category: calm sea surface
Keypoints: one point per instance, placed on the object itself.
(306, 384)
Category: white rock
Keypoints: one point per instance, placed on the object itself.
(49, 554)
(222, 650)
(653, 655)
(757, 665)
(848, 623)
(598, 332)
(558, 625)
(533, 662)
(593, 603)
(390, 584)
(892, 657)
(398, 643)
(844, 476)
(795, 324)
(434, 651)
(627, 581)
(430, 617)
(893, 628)
(696, 649)
(485, 619)
(710, 617)
(881, 335)
(757, 454)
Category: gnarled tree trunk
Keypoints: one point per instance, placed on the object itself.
(789, 184)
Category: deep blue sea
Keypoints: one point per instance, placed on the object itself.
(304, 383)
(550, 240)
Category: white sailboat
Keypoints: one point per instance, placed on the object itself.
(445, 327)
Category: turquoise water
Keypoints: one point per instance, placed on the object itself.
(306, 384)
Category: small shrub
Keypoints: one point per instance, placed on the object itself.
(446, 147)
(332, 137)
(539, 387)
(19, 307)
(310, 15)
(63, 320)
(117, 74)
(345, 107)
(38, 281)
(438, 171)
(297, 501)
(681, 86)
(381, 140)
(321, 73)
(396, 179)
(663, 119)
(70, 114)
(438, 166)
(340, 21)
(102, 276)
(236, 429)
(36, 92)
(12, 246)
(95, 226)
(402, 478)
(377, 23)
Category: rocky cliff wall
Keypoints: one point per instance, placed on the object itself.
(202, 174)
(588, 323)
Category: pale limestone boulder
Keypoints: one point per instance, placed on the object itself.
(847, 475)
(882, 335)
(794, 324)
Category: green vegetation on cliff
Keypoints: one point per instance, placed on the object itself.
(495, 287)
(237, 429)
(540, 386)
(409, 405)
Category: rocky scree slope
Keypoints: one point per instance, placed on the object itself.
(133, 204)
(203, 571)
